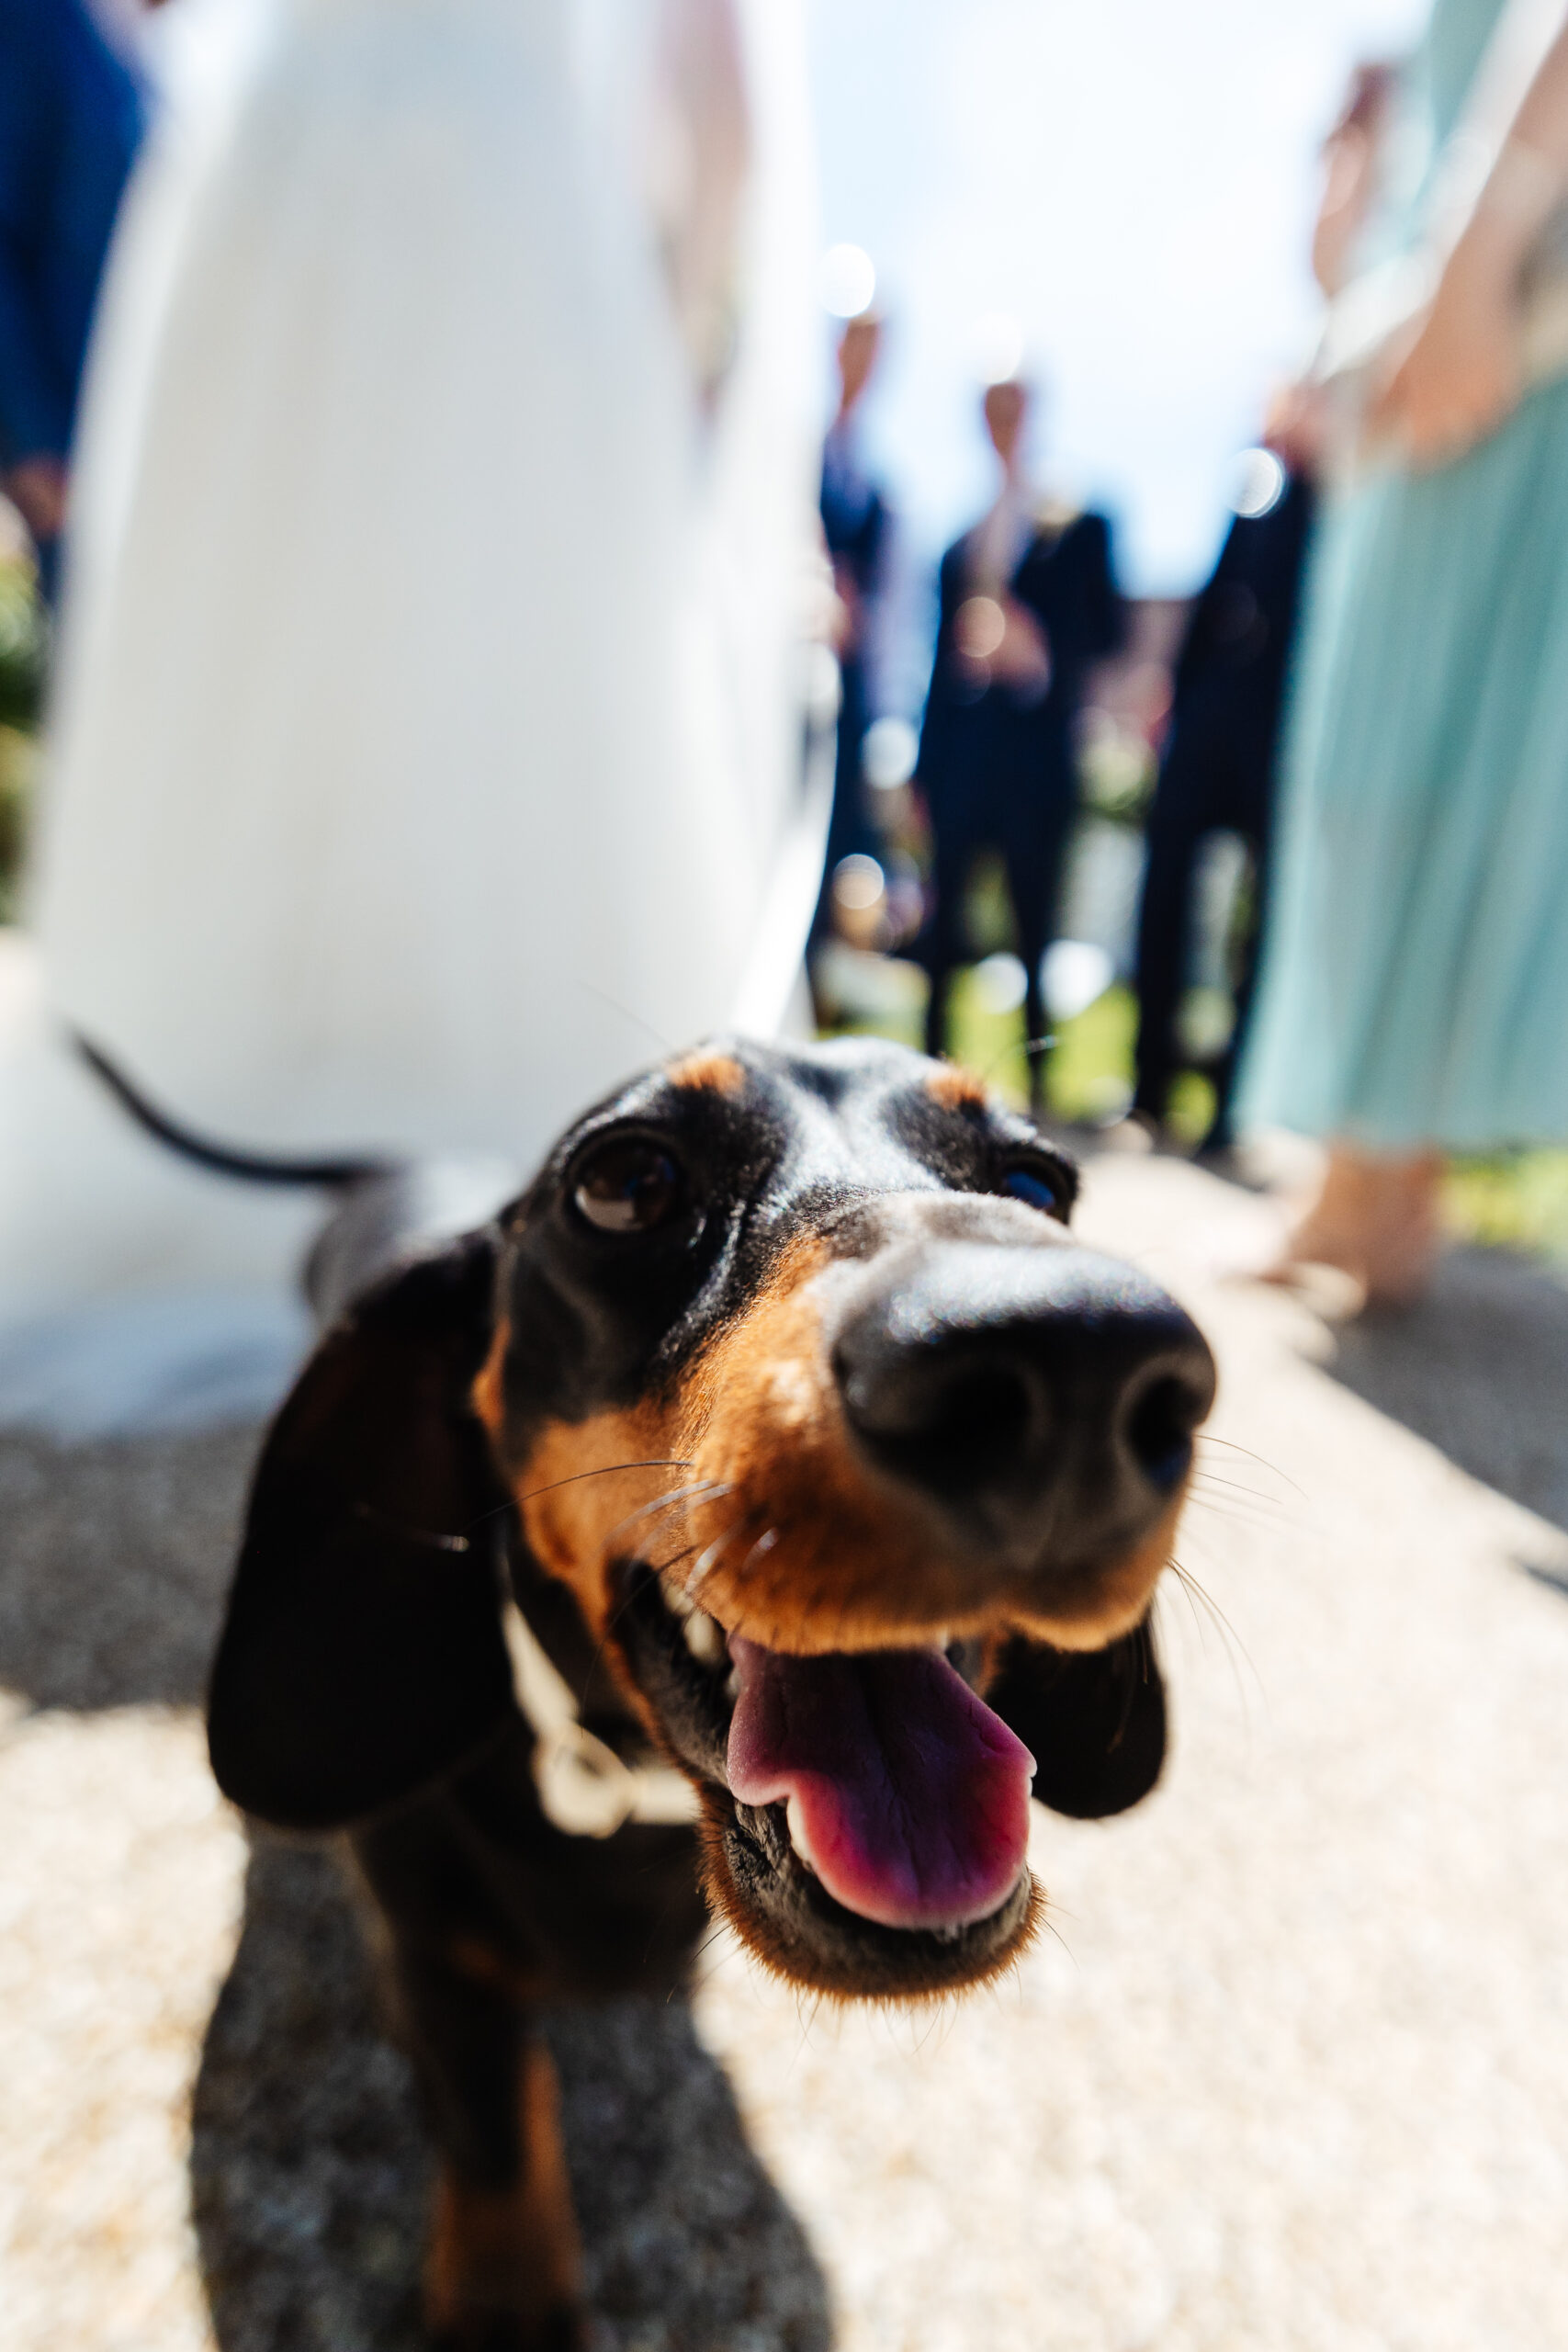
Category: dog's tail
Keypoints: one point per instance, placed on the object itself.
(251, 1167)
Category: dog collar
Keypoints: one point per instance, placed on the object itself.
(584, 1787)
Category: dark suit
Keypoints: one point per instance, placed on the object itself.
(1218, 774)
(71, 118)
(855, 526)
(996, 764)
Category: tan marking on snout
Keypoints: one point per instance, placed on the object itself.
(814, 1551)
(957, 1089)
(748, 1483)
(582, 1481)
(815, 1560)
(579, 1481)
(707, 1072)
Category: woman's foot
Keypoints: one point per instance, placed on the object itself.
(1375, 1219)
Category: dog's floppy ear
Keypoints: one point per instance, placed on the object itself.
(1093, 1720)
(363, 1654)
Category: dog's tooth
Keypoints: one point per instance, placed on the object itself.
(676, 1598)
(795, 1818)
(705, 1637)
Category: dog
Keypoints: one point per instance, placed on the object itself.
(745, 1521)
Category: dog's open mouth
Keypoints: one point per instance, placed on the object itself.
(902, 1791)
(870, 1812)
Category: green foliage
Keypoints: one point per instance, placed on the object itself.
(15, 777)
(23, 646)
(1510, 1200)
(1116, 774)
(1091, 1070)
(1516, 1200)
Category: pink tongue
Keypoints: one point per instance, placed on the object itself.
(913, 1796)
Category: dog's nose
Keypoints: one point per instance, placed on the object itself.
(1037, 1397)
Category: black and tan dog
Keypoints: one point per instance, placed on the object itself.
(782, 1423)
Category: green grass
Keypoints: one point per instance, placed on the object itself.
(1515, 1200)
(1509, 1200)
(22, 648)
(1090, 1069)
(1089, 1074)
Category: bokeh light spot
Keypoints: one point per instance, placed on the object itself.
(848, 281)
(888, 753)
(979, 626)
(1258, 484)
(997, 341)
(857, 883)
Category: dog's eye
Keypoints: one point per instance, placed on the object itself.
(1038, 1185)
(629, 1186)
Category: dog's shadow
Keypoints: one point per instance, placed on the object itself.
(310, 2170)
(1479, 1369)
(309, 2162)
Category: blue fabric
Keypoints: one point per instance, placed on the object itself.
(71, 118)
(1415, 984)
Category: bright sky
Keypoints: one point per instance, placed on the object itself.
(1133, 181)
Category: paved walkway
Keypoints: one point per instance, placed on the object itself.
(1290, 2072)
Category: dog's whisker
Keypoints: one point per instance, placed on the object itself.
(1256, 1518)
(1187, 1594)
(604, 1470)
(764, 1544)
(589, 987)
(662, 1567)
(1230, 1639)
(1239, 1486)
(1277, 1510)
(1238, 1504)
(710, 1557)
(710, 1487)
(661, 1462)
(693, 1984)
(1210, 1437)
(726, 1959)
(619, 1611)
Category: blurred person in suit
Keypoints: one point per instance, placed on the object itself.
(1217, 774)
(71, 113)
(1218, 768)
(1027, 602)
(856, 526)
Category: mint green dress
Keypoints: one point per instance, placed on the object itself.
(1415, 981)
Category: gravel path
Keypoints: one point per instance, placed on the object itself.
(1292, 2070)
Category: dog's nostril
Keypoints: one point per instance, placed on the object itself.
(1159, 1429)
(949, 1425)
(980, 1418)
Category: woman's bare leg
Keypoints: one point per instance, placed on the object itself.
(1377, 1218)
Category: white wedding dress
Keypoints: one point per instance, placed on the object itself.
(427, 750)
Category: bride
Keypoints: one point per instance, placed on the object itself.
(427, 750)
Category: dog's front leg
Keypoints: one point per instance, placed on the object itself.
(501, 2273)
